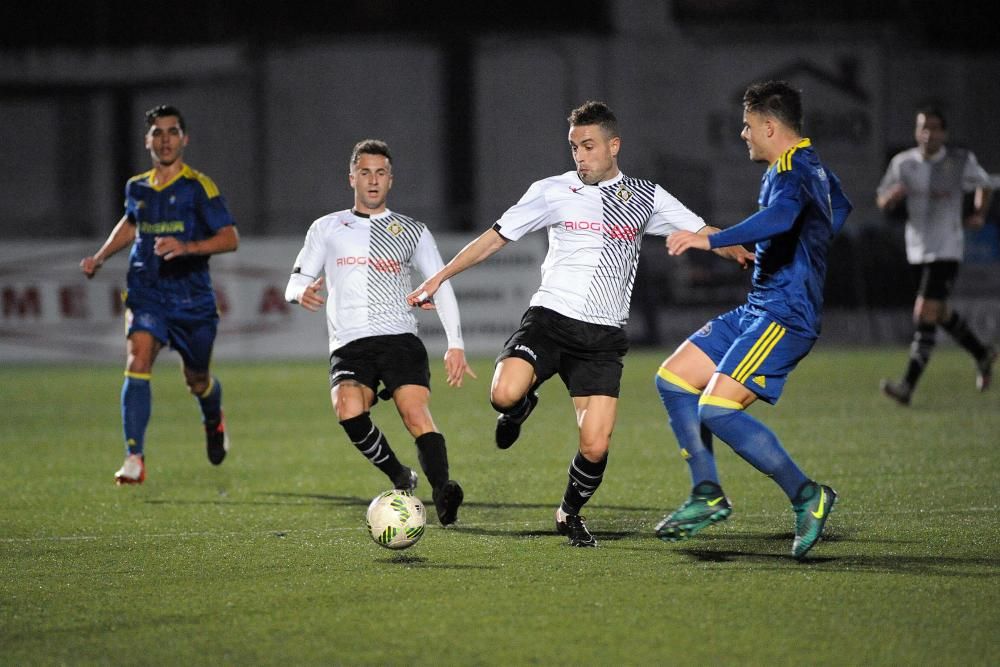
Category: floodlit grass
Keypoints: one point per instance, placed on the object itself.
(266, 560)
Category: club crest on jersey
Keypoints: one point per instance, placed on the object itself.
(173, 199)
(394, 228)
(623, 194)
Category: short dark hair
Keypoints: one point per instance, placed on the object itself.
(371, 147)
(935, 111)
(595, 113)
(165, 110)
(776, 99)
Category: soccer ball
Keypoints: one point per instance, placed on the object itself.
(396, 519)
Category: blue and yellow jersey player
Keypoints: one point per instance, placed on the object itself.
(747, 353)
(175, 218)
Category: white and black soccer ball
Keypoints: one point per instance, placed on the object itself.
(396, 519)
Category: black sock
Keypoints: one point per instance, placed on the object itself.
(960, 331)
(433, 457)
(370, 442)
(920, 352)
(584, 478)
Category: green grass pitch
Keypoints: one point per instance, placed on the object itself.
(265, 560)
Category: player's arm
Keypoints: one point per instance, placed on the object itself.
(120, 237)
(428, 261)
(737, 253)
(891, 190)
(776, 219)
(488, 243)
(840, 205)
(305, 284)
(226, 239)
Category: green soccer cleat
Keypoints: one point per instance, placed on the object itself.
(707, 505)
(811, 514)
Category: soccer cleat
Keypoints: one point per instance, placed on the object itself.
(133, 471)
(810, 517)
(707, 505)
(447, 500)
(407, 481)
(216, 440)
(574, 526)
(897, 391)
(984, 369)
(509, 427)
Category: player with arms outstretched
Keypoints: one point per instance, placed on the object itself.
(364, 256)
(175, 219)
(595, 217)
(748, 352)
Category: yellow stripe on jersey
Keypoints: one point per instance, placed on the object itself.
(785, 161)
(676, 380)
(211, 189)
(755, 357)
(718, 401)
(138, 376)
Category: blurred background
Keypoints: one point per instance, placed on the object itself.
(473, 99)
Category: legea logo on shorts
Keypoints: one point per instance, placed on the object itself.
(527, 350)
(340, 374)
(704, 331)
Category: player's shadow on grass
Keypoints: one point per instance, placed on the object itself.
(605, 535)
(468, 504)
(412, 560)
(741, 549)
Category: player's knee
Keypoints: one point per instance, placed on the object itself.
(197, 385)
(594, 448)
(417, 420)
(504, 396)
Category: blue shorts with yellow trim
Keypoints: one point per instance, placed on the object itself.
(190, 331)
(753, 349)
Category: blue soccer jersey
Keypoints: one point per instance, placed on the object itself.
(188, 207)
(802, 208)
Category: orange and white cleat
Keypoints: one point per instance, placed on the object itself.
(133, 471)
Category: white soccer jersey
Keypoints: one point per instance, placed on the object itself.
(934, 188)
(595, 232)
(367, 263)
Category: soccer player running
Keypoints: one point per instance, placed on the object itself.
(367, 254)
(175, 219)
(931, 180)
(595, 218)
(747, 353)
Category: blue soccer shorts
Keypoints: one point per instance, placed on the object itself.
(753, 349)
(192, 337)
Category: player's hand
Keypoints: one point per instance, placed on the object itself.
(680, 242)
(975, 221)
(895, 195)
(311, 297)
(423, 296)
(457, 367)
(169, 247)
(740, 255)
(89, 266)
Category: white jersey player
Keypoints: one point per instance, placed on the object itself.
(595, 218)
(932, 180)
(364, 256)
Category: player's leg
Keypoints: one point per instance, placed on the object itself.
(353, 381)
(590, 364)
(680, 381)
(432, 451)
(958, 328)
(595, 417)
(194, 340)
(929, 310)
(524, 364)
(141, 348)
(757, 365)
